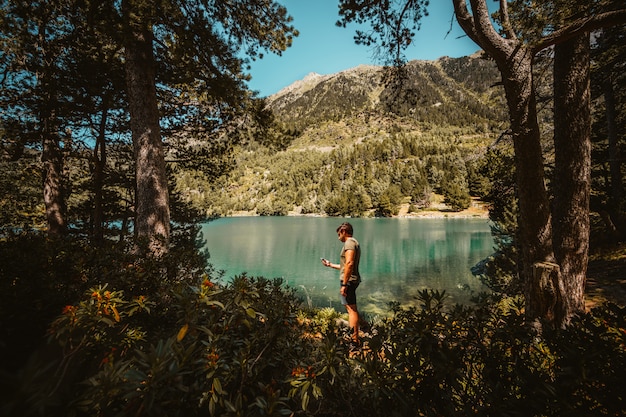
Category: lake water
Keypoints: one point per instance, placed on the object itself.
(399, 257)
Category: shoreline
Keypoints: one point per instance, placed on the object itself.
(477, 210)
(416, 215)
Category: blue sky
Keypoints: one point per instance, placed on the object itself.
(326, 49)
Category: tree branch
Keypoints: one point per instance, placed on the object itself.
(579, 26)
(480, 28)
(465, 19)
(506, 22)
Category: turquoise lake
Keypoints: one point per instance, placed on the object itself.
(399, 256)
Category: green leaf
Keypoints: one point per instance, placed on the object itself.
(217, 386)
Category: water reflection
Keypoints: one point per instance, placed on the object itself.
(399, 256)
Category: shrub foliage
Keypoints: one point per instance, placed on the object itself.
(172, 338)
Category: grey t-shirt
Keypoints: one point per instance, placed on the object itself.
(351, 244)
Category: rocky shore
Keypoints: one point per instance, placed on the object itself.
(476, 210)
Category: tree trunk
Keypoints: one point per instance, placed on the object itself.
(535, 231)
(572, 171)
(615, 163)
(547, 278)
(615, 205)
(52, 160)
(51, 155)
(53, 195)
(152, 212)
(554, 278)
(514, 60)
(99, 159)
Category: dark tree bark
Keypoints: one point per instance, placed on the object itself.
(52, 155)
(514, 60)
(51, 158)
(53, 196)
(613, 216)
(615, 164)
(152, 212)
(553, 267)
(572, 171)
(99, 158)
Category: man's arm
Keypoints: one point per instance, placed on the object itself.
(348, 267)
(329, 264)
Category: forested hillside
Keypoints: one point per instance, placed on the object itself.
(365, 140)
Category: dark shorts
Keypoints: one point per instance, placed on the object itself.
(350, 298)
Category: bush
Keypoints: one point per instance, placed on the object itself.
(217, 349)
(165, 338)
(483, 360)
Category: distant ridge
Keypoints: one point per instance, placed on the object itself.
(446, 91)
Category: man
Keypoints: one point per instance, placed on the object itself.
(348, 275)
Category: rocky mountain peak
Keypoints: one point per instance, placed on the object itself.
(453, 91)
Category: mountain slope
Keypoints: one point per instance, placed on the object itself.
(366, 141)
(449, 91)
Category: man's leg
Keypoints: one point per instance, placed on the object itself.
(353, 320)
